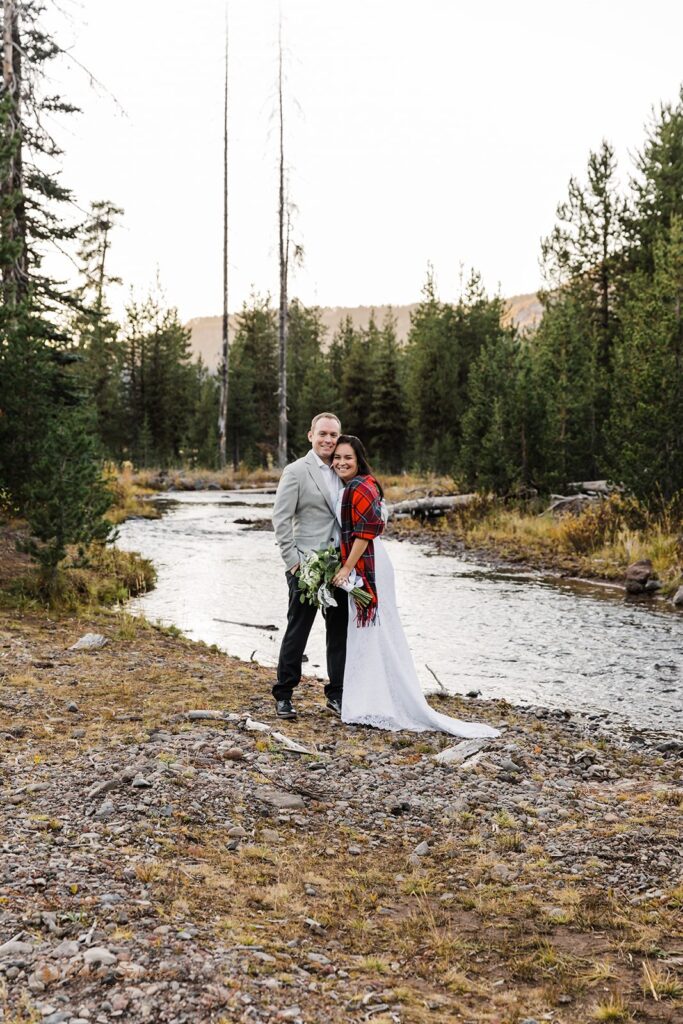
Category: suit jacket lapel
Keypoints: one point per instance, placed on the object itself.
(316, 476)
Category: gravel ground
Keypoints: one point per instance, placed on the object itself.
(167, 856)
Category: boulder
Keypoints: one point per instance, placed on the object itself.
(638, 575)
(677, 599)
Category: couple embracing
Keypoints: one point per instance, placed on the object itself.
(331, 497)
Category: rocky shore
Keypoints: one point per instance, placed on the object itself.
(172, 852)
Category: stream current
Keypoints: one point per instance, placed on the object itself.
(529, 638)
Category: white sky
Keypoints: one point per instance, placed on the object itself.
(417, 130)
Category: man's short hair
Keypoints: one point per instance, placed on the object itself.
(325, 416)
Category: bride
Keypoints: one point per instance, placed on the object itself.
(381, 686)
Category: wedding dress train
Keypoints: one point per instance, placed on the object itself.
(381, 686)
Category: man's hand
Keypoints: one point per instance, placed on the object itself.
(295, 568)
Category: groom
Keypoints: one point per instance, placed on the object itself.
(304, 520)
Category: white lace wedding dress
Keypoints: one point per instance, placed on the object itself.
(381, 686)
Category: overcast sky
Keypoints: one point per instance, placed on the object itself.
(417, 131)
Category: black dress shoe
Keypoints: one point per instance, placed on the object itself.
(285, 709)
(334, 706)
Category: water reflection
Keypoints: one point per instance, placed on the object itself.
(519, 636)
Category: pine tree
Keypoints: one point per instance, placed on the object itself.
(388, 417)
(305, 363)
(566, 357)
(358, 381)
(644, 431)
(67, 497)
(95, 332)
(252, 407)
(502, 423)
(41, 421)
(658, 185)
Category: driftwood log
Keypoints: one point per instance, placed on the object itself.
(429, 506)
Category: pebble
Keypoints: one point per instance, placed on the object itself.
(237, 832)
(99, 955)
(140, 782)
(89, 642)
(231, 753)
(65, 950)
(14, 948)
(105, 810)
(278, 798)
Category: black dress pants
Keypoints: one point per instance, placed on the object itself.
(299, 622)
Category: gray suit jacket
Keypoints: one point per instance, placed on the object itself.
(303, 514)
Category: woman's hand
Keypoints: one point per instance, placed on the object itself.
(342, 576)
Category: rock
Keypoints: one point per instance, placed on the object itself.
(72, 707)
(318, 958)
(397, 807)
(100, 788)
(652, 586)
(584, 757)
(597, 771)
(65, 950)
(205, 716)
(677, 599)
(422, 849)
(231, 753)
(45, 974)
(15, 948)
(637, 576)
(460, 752)
(237, 832)
(89, 642)
(140, 782)
(105, 810)
(99, 955)
(277, 798)
(473, 693)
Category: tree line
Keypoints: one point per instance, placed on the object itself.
(596, 390)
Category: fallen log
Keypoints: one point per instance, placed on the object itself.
(429, 506)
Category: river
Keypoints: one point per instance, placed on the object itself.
(528, 638)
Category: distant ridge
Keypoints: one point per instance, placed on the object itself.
(205, 331)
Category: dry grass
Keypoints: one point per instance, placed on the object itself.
(489, 953)
(600, 542)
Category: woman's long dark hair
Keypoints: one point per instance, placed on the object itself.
(364, 467)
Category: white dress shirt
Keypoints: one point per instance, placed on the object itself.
(334, 487)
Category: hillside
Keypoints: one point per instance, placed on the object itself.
(524, 310)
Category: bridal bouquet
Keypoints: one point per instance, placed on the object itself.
(315, 576)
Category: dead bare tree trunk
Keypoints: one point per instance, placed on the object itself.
(223, 404)
(13, 226)
(284, 259)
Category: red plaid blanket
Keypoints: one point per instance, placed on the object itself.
(361, 516)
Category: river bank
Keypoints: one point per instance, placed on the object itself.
(157, 867)
(598, 544)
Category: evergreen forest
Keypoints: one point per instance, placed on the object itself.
(595, 391)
